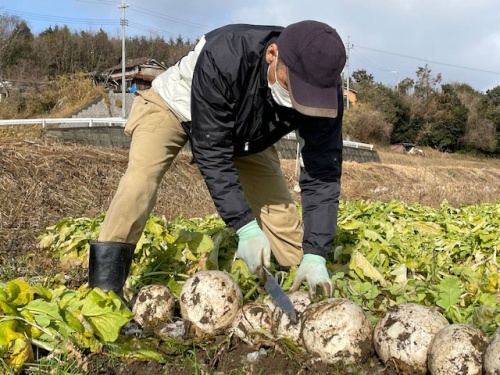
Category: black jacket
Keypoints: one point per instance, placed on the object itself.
(233, 114)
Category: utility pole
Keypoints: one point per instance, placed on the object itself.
(349, 45)
(123, 22)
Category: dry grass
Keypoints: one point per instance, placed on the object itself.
(461, 180)
(59, 97)
(42, 181)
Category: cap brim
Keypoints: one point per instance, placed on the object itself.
(312, 101)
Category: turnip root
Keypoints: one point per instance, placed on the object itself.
(403, 335)
(492, 355)
(269, 302)
(252, 322)
(153, 306)
(338, 331)
(210, 300)
(283, 327)
(457, 349)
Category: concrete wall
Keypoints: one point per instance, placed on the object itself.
(115, 137)
(112, 136)
(101, 108)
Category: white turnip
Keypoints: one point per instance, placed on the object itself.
(492, 355)
(253, 321)
(457, 349)
(210, 300)
(153, 306)
(403, 335)
(283, 327)
(337, 331)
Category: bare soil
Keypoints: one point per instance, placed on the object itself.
(43, 181)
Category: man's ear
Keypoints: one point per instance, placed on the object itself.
(271, 53)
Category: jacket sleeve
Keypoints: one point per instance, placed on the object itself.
(320, 181)
(213, 102)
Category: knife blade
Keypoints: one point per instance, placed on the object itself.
(279, 295)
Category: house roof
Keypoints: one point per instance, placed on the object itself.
(137, 62)
(144, 77)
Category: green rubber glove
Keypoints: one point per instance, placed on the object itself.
(313, 270)
(253, 247)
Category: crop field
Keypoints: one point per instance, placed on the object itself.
(411, 230)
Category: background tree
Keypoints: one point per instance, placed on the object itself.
(480, 133)
(15, 43)
(19, 45)
(408, 122)
(405, 86)
(362, 78)
(446, 124)
(378, 95)
(409, 119)
(364, 123)
(95, 51)
(426, 84)
(490, 108)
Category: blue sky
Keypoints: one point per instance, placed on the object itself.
(390, 39)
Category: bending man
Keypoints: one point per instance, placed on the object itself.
(237, 93)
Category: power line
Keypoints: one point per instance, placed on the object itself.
(170, 18)
(101, 2)
(368, 61)
(94, 21)
(150, 13)
(153, 30)
(70, 20)
(156, 14)
(429, 61)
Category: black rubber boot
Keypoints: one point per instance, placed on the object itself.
(109, 265)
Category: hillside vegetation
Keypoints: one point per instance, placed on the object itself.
(37, 79)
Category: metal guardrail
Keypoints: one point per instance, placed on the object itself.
(365, 146)
(111, 121)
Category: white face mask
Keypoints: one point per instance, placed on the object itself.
(280, 95)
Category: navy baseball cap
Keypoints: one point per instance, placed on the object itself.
(315, 57)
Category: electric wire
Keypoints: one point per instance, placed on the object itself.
(428, 61)
(156, 14)
(170, 18)
(154, 30)
(70, 20)
(104, 22)
(368, 61)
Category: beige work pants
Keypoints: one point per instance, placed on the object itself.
(157, 138)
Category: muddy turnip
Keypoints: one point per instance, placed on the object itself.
(210, 300)
(153, 306)
(283, 327)
(492, 355)
(338, 331)
(252, 322)
(457, 349)
(403, 335)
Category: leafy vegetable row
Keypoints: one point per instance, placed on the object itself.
(384, 254)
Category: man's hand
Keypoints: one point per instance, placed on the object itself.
(313, 270)
(253, 247)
